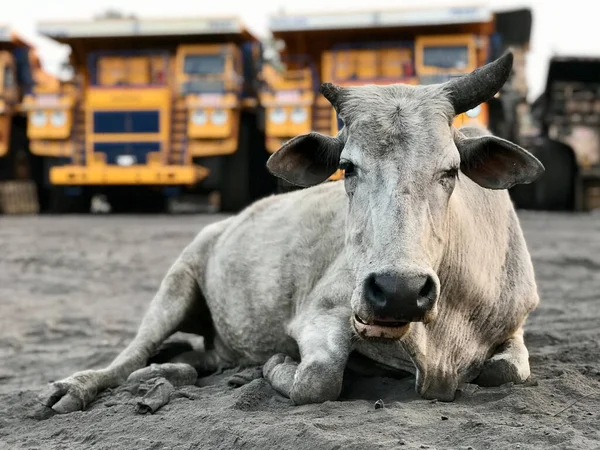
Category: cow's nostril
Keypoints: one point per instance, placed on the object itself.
(428, 289)
(426, 295)
(373, 292)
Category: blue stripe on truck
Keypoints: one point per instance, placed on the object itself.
(126, 122)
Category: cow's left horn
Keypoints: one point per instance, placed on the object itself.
(481, 85)
(332, 93)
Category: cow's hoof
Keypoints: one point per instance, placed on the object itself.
(245, 377)
(502, 369)
(73, 393)
(280, 371)
(275, 361)
(178, 374)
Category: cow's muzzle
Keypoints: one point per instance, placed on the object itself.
(392, 300)
(401, 297)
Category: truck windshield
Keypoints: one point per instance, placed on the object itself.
(204, 64)
(126, 70)
(446, 57)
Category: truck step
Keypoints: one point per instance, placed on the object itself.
(179, 127)
(178, 136)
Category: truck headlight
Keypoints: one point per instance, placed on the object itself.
(277, 116)
(58, 118)
(199, 117)
(126, 160)
(472, 113)
(299, 115)
(219, 116)
(38, 118)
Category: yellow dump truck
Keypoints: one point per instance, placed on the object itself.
(156, 107)
(413, 46)
(21, 175)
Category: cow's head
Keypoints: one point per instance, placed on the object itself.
(402, 159)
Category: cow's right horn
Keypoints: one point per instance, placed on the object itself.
(481, 85)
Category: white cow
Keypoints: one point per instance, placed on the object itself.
(415, 260)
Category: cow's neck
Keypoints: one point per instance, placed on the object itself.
(465, 330)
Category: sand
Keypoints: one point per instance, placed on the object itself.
(73, 290)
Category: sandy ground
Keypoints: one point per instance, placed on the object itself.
(73, 290)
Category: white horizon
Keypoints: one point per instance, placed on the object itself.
(558, 28)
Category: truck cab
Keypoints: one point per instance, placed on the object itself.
(156, 106)
(210, 78)
(441, 58)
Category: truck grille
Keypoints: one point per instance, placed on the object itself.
(132, 152)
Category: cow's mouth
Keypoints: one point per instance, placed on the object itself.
(379, 328)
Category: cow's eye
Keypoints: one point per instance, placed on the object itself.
(347, 167)
(448, 178)
(451, 173)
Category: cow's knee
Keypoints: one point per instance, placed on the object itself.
(510, 364)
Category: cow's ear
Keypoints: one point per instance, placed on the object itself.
(307, 159)
(496, 163)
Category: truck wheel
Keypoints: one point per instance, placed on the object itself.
(523, 196)
(235, 176)
(555, 189)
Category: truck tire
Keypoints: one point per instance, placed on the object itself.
(235, 176)
(523, 196)
(555, 189)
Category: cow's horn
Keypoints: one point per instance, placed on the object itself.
(332, 93)
(481, 85)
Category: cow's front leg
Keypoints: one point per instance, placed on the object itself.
(177, 297)
(510, 363)
(324, 339)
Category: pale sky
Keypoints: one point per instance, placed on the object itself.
(559, 27)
